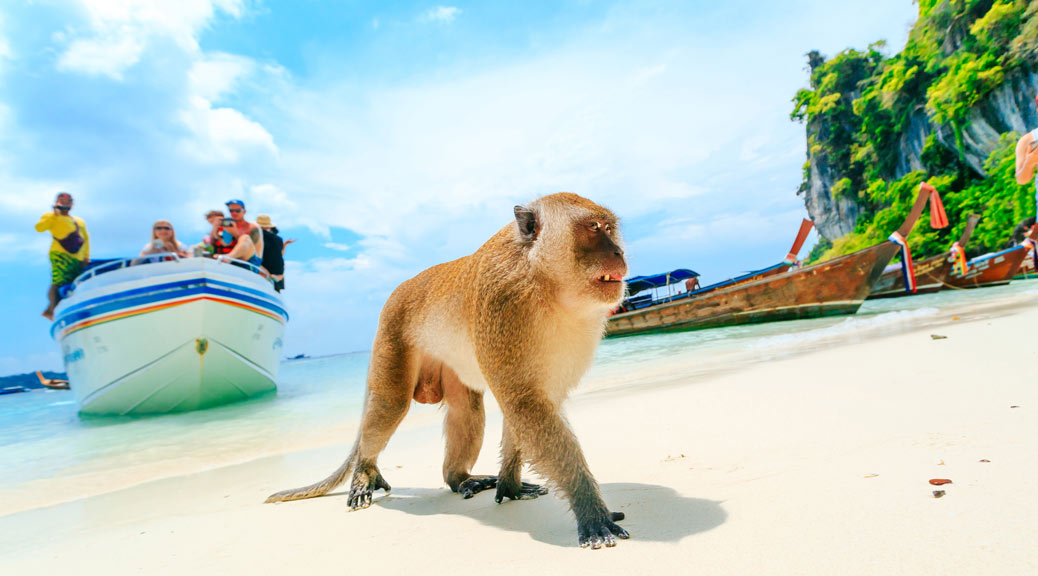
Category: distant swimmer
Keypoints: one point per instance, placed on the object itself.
(69, 251)
(1027, 159)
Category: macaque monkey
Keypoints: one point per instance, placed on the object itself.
(521, 316)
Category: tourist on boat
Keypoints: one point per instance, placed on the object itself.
(164, 240)
(242, 246)
(1027, 158)
(273, 251)
(69, 251)
(217, 241)
(237, 210)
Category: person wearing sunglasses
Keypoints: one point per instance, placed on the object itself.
(164, 240)
(70, 250)
(237, 210)
(243, 247)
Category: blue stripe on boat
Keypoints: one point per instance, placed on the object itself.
(989, 256)
(122, 300)
(154, 288)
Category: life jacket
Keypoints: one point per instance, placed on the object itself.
(223, 242)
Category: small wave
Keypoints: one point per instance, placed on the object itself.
(65, 403)
(852, 327)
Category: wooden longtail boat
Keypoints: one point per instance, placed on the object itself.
(836, 286)
(930, 273)
(995, 269)
(1029, 268)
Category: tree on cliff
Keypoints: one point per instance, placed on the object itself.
(944, 109)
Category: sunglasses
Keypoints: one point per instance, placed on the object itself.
(63, 207)
(163, 228)
(234, 210)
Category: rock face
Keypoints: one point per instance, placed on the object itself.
(833, 216)
(1010, 107)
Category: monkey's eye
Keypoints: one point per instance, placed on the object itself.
(595, 226)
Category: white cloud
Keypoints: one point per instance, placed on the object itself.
(338, 247)
(216, 75)
(118, 32)
(222, 135)
(443, 14)
(106, 56)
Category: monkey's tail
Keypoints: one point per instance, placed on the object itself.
(320, 488)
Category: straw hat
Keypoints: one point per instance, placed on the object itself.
(263, 221)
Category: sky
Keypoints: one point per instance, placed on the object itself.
(390, 136)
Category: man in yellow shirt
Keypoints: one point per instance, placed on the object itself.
(69, 251)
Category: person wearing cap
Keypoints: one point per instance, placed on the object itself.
(70, 250)
(273, 251)
(237, 210)
(1027, 158)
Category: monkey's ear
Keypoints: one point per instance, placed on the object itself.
(527, 222)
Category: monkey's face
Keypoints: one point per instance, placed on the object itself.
(599, 257)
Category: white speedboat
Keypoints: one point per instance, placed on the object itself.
(141, 336)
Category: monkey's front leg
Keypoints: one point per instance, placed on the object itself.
(543, 434)
(366, 480)
(509, 483)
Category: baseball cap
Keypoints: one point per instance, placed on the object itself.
(238, 202)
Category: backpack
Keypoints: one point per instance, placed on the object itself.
(74, 241)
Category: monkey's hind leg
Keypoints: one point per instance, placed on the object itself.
(392, 377)
(509, 483)
(463, 429)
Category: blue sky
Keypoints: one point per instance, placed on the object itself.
(391, 136)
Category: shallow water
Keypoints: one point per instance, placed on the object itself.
(45, 440)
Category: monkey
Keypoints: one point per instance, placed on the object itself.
(521, 317)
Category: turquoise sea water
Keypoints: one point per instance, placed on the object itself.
(44, 440)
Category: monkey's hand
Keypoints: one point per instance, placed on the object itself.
(518, 491)
(595, 532)
(366, 479)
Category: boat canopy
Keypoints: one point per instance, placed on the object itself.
(640, 283)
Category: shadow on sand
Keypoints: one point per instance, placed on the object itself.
(654, 513)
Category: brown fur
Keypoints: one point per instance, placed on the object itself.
(521, 316)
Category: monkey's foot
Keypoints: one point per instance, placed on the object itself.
(518, 491)
(594, 533)
(474, 485)
(365, 481)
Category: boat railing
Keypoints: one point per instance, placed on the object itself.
(120, 263)
(124, 263)
(243, 264)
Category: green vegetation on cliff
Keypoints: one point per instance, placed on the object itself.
(861, 103)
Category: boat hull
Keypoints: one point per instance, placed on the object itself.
(930, 273)
(834, 287)
(1027, 270)
(994, 270)
(186, 336)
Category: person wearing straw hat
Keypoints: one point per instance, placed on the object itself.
(273, 251)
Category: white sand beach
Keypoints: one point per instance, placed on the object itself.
(814, 464)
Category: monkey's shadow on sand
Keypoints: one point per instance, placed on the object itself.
(654, 513)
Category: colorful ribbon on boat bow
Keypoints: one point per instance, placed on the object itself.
(938, 217)
(958, 254)
(907, 270)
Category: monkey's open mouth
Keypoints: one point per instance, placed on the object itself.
(609, 278)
